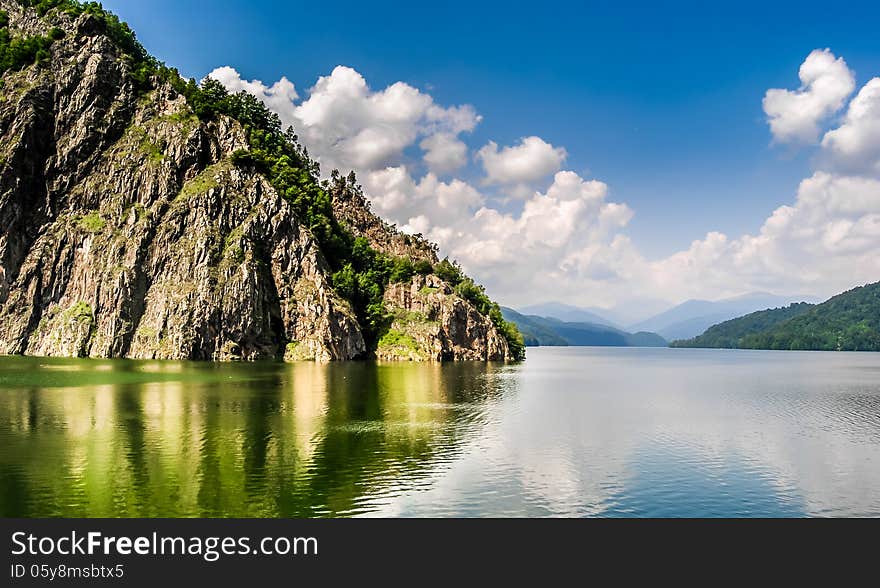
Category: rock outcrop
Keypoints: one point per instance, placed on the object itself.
(353, 210)
(128, 232)
(432, 323)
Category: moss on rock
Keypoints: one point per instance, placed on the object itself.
(91, 222)
(209, 179)
(296, 351)
(396, 344)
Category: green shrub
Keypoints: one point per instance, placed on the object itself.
(80, 312)
(449, 272)
(19, 52)
(423, 267)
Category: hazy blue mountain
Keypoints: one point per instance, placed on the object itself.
(535, 330)
(567, 313)
(693, 317)
(548, 331)
(646, 339)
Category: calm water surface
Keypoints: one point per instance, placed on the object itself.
(570, 432)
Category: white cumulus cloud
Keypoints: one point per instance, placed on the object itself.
(795, 116)
(825, 242)
(400, 198)
(280, 96)
(855, 145)
(531, 160)
(562, 237)
(444, 152)
(347, 125)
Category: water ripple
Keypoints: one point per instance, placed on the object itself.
(571, 432)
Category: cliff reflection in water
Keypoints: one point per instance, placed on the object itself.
(122, 438)
(570, 432)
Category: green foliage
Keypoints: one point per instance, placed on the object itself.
(154, 152)
(394, 338)
(510, 332)
(730, 334)
(19, 52)
(201, 183)
(847, 322)
(244, 159)
(449, 272)
(362, 281)
(144, 69)
(360, 273)
(91, 223)
(423, 267)
(475, 294)
(80, 312)
(278, 156)
(402, 270)
(44, 6)
(118, 31)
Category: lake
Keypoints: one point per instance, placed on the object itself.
(570, 432)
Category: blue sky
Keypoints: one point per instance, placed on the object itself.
(662, 103)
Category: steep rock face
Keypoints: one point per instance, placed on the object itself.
(128, 233)
(432, 323)
(353, 210)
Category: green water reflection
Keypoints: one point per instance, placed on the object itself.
(124, 438)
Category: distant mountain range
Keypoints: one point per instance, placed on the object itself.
(568, 313)
(549, 331)
(682, 321)
(693, 317)
(847, 322)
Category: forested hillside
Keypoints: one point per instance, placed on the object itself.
(847, 322)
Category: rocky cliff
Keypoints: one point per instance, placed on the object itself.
(430, 322)
(130, 230)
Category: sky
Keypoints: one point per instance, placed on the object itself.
(602, 154)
